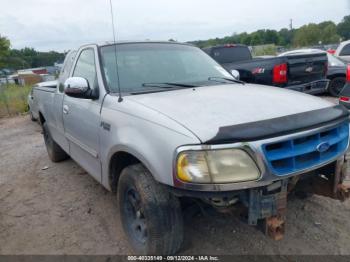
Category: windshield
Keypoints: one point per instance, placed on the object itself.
(142, 64)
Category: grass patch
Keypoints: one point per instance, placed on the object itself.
(13, 100)
(264, 50)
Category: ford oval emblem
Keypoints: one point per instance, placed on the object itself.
(323, 147)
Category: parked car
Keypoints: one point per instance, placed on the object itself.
(167, 125)
(344, 97)
(32, 102)
(305, 72)
(331, 51)
(336, 70)
(343, 51)
(329, 48)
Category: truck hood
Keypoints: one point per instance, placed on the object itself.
(220, 114)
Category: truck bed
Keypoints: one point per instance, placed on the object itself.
(305, 72)
(299, 69)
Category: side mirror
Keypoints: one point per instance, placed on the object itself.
(77, 87)
(235, 74)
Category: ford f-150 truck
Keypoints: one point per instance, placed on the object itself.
(162, 125)
(302, 72)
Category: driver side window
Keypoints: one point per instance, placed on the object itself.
(86, 67)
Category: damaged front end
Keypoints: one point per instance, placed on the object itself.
(333, 181)
(310, 160)
(266, 207)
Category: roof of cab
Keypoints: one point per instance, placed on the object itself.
(107, 43)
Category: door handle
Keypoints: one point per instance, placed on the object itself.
(65, 109)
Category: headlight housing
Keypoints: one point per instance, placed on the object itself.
(216, 166)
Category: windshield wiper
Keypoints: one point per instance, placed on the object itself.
(167, 85)
(218, 78)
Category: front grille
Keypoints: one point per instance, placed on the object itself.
(289, 156)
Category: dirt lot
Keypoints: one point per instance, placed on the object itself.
(48, 208)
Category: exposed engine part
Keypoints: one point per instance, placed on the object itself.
(222, 202)
(267, 207)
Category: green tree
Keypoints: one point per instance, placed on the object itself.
(257, 38)
(271, 37)
(329, 34)
(286, 36)
(245, 38)
(4, 50)
(328, 31)
(343, 28)
(307, 35)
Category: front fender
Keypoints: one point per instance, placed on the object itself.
(152, 143)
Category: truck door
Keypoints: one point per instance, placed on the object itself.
(59, 134)
(81, 117)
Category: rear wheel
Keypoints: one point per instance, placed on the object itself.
(31, 116)
(55, 152)
(336, 85)
(151, 216)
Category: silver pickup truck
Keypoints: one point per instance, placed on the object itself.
(162, 124)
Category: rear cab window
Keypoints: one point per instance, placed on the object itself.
(65, 71)
(345, 51)
(231, 54)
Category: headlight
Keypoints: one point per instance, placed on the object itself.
(216, 166)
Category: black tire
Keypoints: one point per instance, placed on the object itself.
(151, 216)
(54, 151)
(336, 85)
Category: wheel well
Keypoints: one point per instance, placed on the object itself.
(41, 118)
(118, 162)
(336, 75)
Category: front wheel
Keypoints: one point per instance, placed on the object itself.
(150, 215)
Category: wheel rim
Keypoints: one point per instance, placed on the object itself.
(135, 219)
(337, 86)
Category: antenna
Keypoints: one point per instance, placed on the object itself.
(120, 99)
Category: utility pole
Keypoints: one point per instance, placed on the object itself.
(291, 24)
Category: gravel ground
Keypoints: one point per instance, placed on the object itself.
(48, 208)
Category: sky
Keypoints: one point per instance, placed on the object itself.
(65, 24)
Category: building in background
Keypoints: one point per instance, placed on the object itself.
(29, 76)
